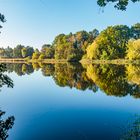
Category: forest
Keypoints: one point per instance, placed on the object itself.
(115, 42)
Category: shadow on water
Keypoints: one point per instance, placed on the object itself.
(8, 123)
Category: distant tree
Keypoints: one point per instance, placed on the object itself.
(60, 44)
(24, 52)
(8, 52)
(36, 54)
(2, 52)
(27, 51)
(42, 56)
(119, 4)
(48, 51)
(74, 54)
(135, 31)
(43, 49)
(94, 33)
(30, 51)
(73, 46)
(17, 52)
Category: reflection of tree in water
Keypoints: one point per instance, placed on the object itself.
(132, 131)
(47, 69)
(72, 75)
(6, 124)
(112, 79)
(116, 80)
(133, 74)
(4, 79)
(20, 69)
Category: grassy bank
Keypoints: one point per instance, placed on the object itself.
(24, 60)
(116, 61)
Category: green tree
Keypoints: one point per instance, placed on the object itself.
(61, 44)
(133, 52)
(27, 51)
(24, 52)
(42, 56)
(110, 44)
(43, 49)
(2, 52)
(135, 31)
(17, 52)
(8, 52)
(119, 4)
(73, 46)
(36, 54)
(48, 51)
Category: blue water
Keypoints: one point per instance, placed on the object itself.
(45, 111)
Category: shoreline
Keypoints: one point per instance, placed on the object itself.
(83, 61)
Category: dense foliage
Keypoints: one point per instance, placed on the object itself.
(73, 46)
(112, 43)
(133, 52)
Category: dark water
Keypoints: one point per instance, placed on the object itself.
(72, 102)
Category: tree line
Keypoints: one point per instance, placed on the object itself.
(114, 42)
(70, 47)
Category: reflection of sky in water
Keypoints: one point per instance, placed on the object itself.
(44, 110)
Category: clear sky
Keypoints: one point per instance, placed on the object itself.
(37, 22)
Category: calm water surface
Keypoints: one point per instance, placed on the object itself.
(72, 102)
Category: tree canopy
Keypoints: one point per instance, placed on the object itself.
(133, 52)
(110, 44)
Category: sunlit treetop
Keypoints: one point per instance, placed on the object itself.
(119, 4)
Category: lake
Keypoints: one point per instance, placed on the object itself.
(71, 101)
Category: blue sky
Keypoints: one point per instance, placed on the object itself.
(36, 22)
